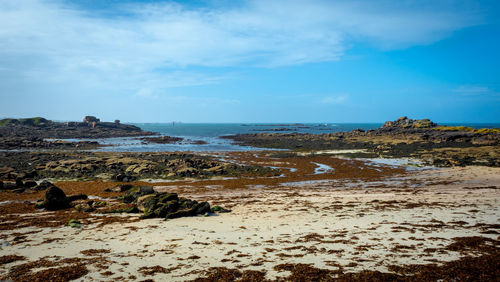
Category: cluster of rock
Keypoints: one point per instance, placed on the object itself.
(123, 167)
(39, 143)
(166, 205)
(20, 186)
(405, 122)
(130, 168)
(403, 137)
(145, 200)
(91, 127)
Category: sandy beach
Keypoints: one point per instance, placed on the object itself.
(323, 214)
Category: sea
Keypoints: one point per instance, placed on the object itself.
(210, 134)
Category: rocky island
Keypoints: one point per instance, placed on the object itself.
(90, 127)
(39, 133)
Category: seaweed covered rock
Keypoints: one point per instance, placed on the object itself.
(135, 192)
(169, 205)
(219, 209)
(83, 205)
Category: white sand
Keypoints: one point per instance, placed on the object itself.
(265, 222)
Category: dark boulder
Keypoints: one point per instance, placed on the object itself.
(30, 183)
(31, 174)
(201, 208)
(1, 185)
(77, 197)
(55, 199)
(19, 182)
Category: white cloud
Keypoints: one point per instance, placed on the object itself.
(335, 100)
(56, 44)
(475, 90)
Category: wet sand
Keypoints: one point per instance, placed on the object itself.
(337, 215)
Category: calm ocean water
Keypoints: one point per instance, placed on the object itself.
(209, 133)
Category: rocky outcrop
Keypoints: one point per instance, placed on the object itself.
(162, 139)
(404, 137)
(91, 127)
(122, 167)
(20, 186)
(405, 122)
(170, 205)
(9, 143)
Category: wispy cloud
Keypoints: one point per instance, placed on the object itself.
(335, 100)
(475, 90)
(54, 45)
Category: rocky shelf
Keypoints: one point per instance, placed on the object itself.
(423, 139)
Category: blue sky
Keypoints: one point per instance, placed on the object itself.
(251, 61)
